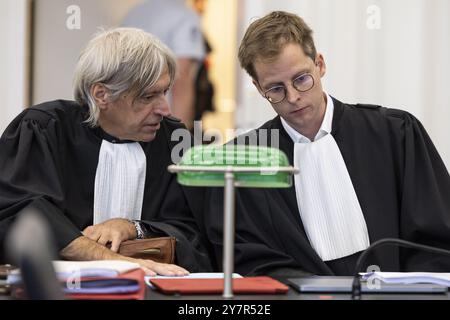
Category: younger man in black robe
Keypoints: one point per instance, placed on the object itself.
(366, 172)
(97, 168)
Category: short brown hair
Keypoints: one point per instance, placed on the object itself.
(266, 37)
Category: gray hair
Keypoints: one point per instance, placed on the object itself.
(123, 60)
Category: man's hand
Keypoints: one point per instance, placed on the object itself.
(112, 231)
(153, 268)
(86, 249)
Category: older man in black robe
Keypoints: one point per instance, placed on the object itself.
(97, 168)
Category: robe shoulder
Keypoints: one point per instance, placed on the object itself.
(170, 124)
(47, 113)
(57, 109)
(176, 134)
(370, 120)
(172, 119)
(380, 113)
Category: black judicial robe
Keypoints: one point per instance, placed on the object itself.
(48, 160)
(401, 183)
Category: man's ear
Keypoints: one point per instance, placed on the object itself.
(100, 95)
(320, 63)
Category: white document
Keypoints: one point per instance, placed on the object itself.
(409, 277)
(95, 268)
(83, 269)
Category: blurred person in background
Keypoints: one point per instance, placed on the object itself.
(204, 89)
(179, 27)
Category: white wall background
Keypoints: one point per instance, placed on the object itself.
(13, 59)
(58, 46)
(55, 52)
(404, 64)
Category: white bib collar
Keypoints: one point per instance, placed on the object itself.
(327, 201)
(119, 181)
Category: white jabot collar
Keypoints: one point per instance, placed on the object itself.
(327, 201)
(119, 181)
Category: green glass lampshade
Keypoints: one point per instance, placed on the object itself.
(268, 166)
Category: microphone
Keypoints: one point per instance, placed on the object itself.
(30, 246)
(356, 285)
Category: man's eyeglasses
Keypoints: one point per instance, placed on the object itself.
(302, 83)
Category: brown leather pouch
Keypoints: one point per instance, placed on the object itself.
(160, 249)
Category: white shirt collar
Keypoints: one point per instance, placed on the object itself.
(325, 127)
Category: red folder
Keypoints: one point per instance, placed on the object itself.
(249, 285)
(137, 274)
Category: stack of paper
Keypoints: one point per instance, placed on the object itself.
(97, 268)
(409, 277)
(102, 279)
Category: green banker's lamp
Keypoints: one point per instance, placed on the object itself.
(233, 166)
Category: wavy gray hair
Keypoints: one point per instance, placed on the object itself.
(123, 60)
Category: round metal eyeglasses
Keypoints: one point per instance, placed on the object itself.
(278, 93)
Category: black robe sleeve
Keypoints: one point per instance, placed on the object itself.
(30, 175)
(257, 243)
(425, 193)
(177, 220)
(181, 208)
